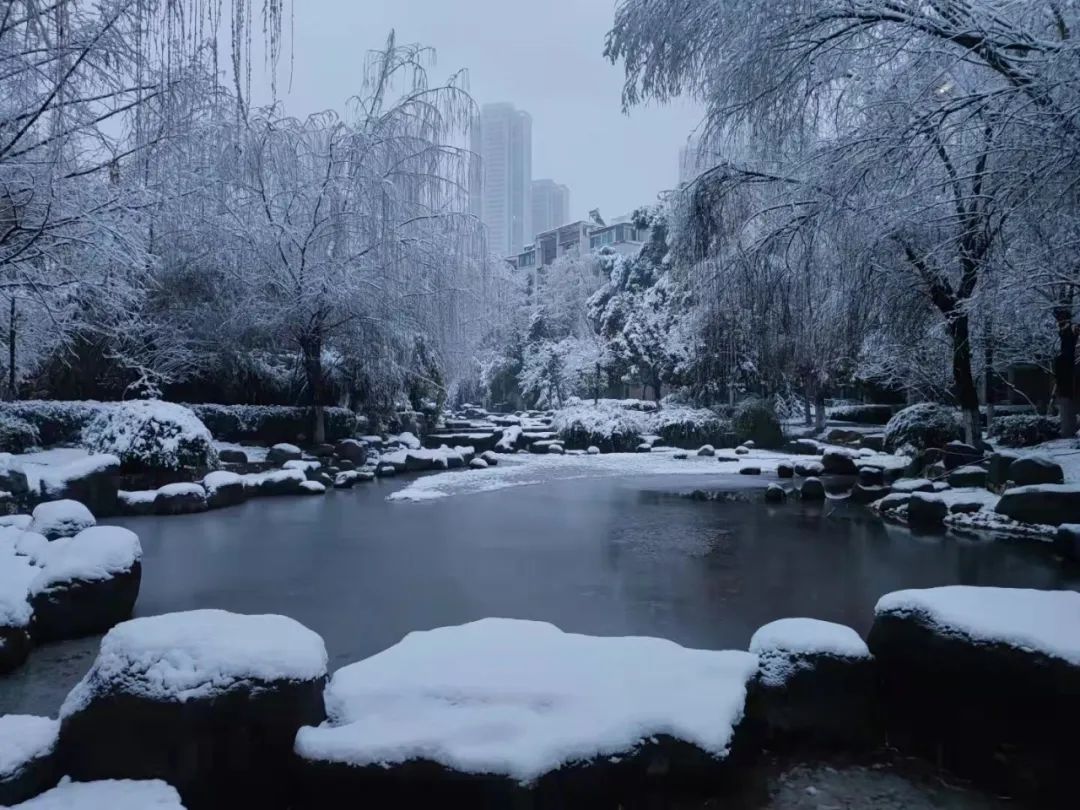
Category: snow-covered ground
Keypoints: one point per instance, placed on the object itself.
(523, 469)
(521, 698)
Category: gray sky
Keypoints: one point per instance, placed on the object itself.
(545, 56)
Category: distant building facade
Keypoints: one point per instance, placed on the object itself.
(500, 187)
(579, 238)
(550, 205)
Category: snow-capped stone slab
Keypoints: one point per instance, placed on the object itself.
(224, 488)
(108, 794)
(1042, 504)
(89, 583)
(207, 700)
(1042, 621)
(27, 764)
(180, 499)
(63, 518)
(275, 482)
(989, 680)
(521, 699)
(817, 683)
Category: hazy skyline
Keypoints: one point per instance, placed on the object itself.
(545, 58)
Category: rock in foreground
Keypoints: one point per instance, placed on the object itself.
(109, 794)
(987, 682)
(27, 762)
(501, 710)
(208, 701)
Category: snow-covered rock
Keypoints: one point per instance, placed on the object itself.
(107, 794)
(989, 680)
(491, 457)
(64, 518)
(1030, 470)
(515, 701)
(89, 583)
(910, 485)
(283, 452)
(208, 700)
(136, 502)
(275, 482)
(593, 450)
(817, 683)
(224, 488)
(304, 465)
(312, 488)
(812, 490)
(809, 469)
(1046, 504)
(478, 464)
(87, 480)
(27, 762)
(180, 499)
(839, 462)
(16, 574)
(927, 510)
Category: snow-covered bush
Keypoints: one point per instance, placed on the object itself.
(16, 434)
(755, 419)
(151, 435)
(272, 423)
(863, 414)
(56, 422)
(617, 425)
(927, 424)
(1024, 430)
(690, 428)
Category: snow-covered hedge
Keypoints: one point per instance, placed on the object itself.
(616, 425)
(1024, 430)
(151, 435)
(56, 422)
(755, 420)
(272, 423)
(927, 424)
(16, 434)
(863, 414)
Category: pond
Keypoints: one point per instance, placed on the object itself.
(606, 556)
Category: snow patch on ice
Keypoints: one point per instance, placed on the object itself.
(522, 698)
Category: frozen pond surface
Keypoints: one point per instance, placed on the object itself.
(607, 556)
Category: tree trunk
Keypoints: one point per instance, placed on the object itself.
(12, 328)
(808, 416)
(312, 350)
(966, 390)
(819, 410)
(1064, 370)
(988, 380)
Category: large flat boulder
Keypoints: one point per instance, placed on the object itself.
(500, 711)
(985, 681)
(816, 684)
(208, 701)
(181, 498)
(27, 757)
(90, 481)
(1048, 504)
(88, 583)
(1030, 470)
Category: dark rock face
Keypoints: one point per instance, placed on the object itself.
(785, 471)
(232, 456)
(225, 751)
(998, 473)
(1034, 470)
(775, 494)
(279, 454)
(967, 477)
(14, 481)
(1049, 504)
(35, 777)
(323, 450)
(894, 501)
(14, 649)
(1000, 715)
(958, 454)
(750, 471)
(826, 702)
(809, 469)
(179, 503)
(868, 494)
(97, 490)
(223, 495)
(353, 451)
(812, 490)
(1066, 542)
(836, 463)
(926, 510)
(84, 608)
(659, 773)
(871, 476)
(874, 441)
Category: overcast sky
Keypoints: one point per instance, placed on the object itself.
(545, 56)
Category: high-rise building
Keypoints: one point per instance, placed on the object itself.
(500, 192)
(550, 206)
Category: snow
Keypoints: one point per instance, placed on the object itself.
(182, 488)
(23, 738)
(521, 698)
(285, 447)
(274, 476)
(1066, 489)
(55, 479)
(1043, 621)
(16, 574)
(136, 497)
(254, 453)
(610, 417)
(113, 794)
(783, 645)
(214, 481)
(407, 439)
(63, 518)
(968, 495)
(197, 654)
(150, 431)
(911, 484)
(97, 553)
(313, 486)
(509, 440)
(302, 465)
(15, 521)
